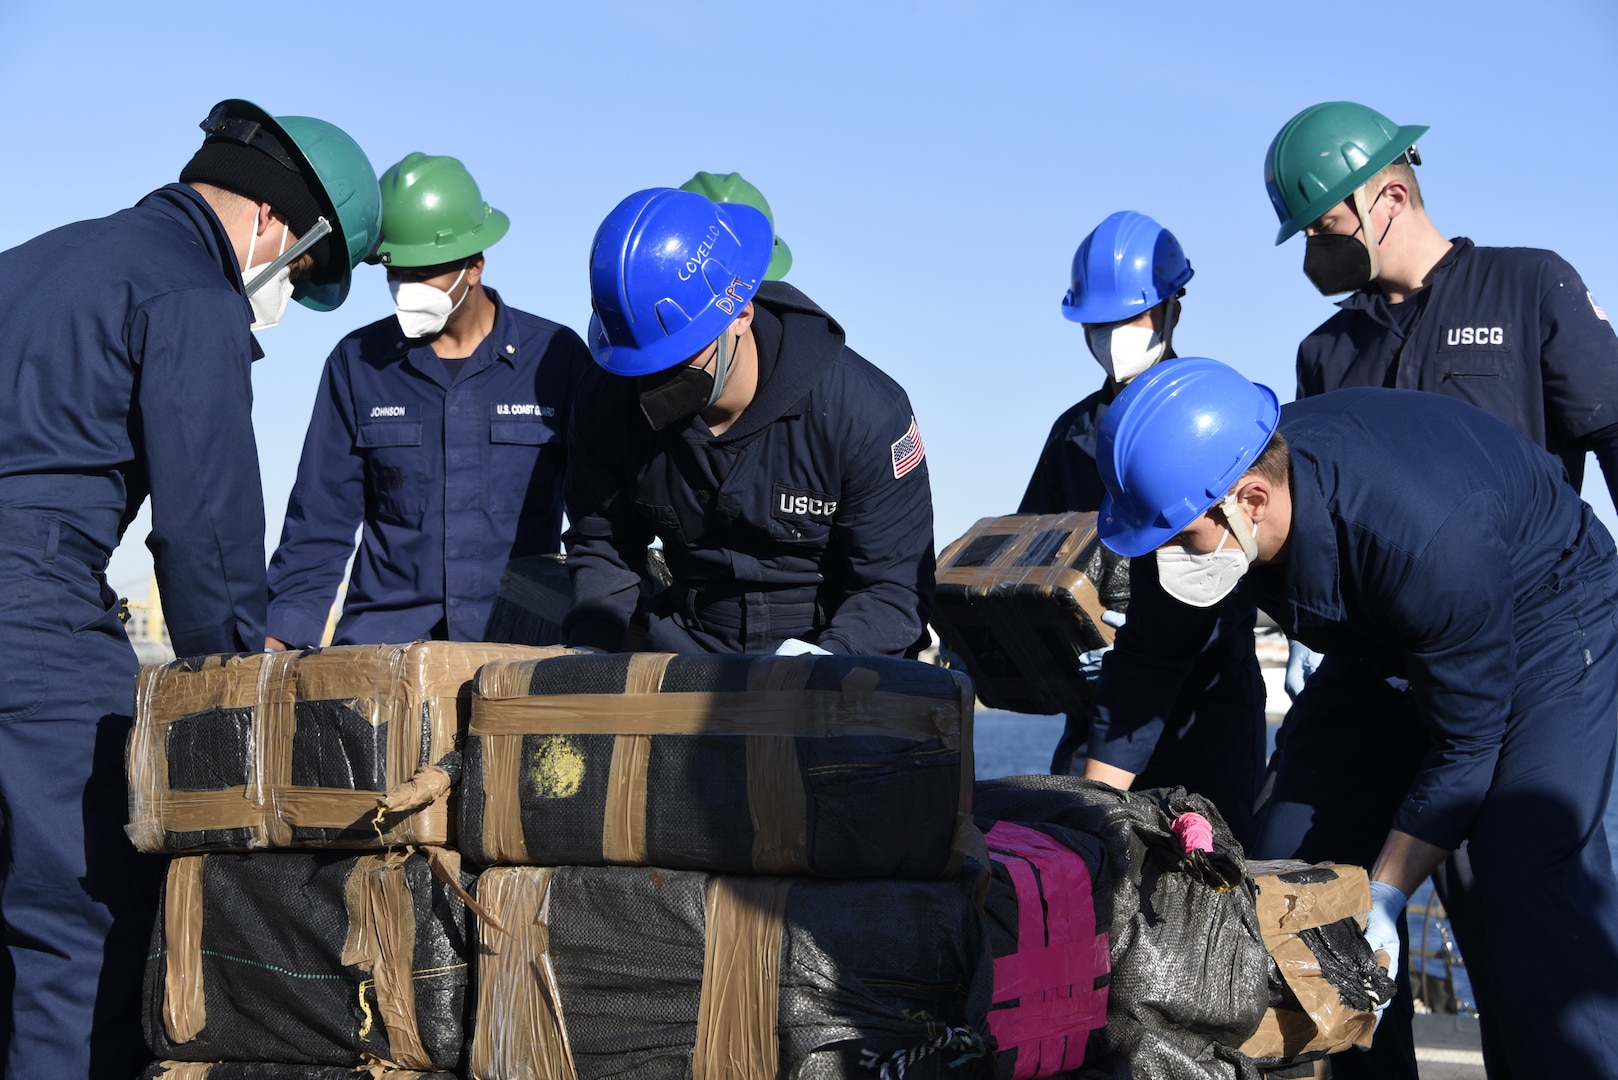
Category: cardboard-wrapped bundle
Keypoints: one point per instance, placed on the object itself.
(311, 958)
(354, 746)
(631, 971)
(1326, 982)
(1188, 983)
(1020, 599)
(262, 1070)
(831, 766)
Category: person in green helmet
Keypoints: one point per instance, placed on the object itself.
(126, 353)
(442, 430)
(732, 188)
(1513, 331)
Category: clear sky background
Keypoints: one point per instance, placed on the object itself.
(932, 165)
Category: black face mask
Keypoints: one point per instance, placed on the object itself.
(1336, 263)
(671, 396)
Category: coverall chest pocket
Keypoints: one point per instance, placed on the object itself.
(800, 518)
(395, 474)
(516, 445)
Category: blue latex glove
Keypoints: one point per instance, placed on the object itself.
(1090, 662)
(1301, 663)
(1382, 928)
(794, 647)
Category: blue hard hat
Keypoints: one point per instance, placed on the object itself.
(669, 270)
(1127, 265)
(1172, 444)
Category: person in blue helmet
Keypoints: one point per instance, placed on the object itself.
(1129, 275)
(1430, 543)
(126, 348)
(440, 432)
(784, 475)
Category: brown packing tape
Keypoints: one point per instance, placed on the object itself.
(381, 940)
(185, 1070)
(776, 799)
(812, 713)
(623, 823)
(429, 783)
(521, 1033)
(276, 723)
(185, 1010)
(503, 839)
(741, 975)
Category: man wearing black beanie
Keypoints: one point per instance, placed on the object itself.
(125, 358)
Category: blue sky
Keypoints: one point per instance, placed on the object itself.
(932, 165)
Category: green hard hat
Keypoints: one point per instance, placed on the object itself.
(433, 212)
(1324, 154)
(730, 187)
(336, 172)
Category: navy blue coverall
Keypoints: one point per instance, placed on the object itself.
(451, 478)
(1515, 332)
(1432, 544)
(1213, 739)
(810, 518)
(125, 370)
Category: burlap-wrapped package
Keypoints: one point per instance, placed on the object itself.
(311, 958)
(266, 1070)
(350, 747)
(831, 766)
(631, 971)
(1020, 598)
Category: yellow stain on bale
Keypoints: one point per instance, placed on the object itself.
(556, 768)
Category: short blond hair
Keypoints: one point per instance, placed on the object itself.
(1399, 171)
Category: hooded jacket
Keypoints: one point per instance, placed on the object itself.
(810, 517)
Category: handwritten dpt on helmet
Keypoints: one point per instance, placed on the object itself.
(1128, 264)
(1325, 153)
(1172, 444)
(669, 271)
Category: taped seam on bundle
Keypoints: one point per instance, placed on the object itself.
(185, 1009)
(521, 1031)
(741, 977)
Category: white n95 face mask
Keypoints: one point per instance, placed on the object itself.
(422, 309)
(1126, 351)
(1202, 579)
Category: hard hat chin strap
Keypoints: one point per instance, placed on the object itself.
(721, 367)
(320, 228)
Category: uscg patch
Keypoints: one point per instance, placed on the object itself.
(1477, 337)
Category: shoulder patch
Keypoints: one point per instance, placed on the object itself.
(1602, 315)
(908, 450)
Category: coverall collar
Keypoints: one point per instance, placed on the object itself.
(1371, 301)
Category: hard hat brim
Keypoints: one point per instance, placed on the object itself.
(481, 239)
(1403, 140)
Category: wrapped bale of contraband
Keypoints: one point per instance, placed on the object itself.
(631, 971)
(311, 958)
(1188, 983)
(828, 766)
(263, 1070)
(1020, 598)
(1326, 982)
(355, 746)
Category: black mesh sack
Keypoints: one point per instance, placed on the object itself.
(262, 1070)
(637, 972)
(830, 766)
(310, 959)
(1189, 979)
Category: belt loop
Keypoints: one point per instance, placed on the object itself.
(52, 538)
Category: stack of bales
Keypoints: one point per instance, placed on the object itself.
(724, 865)
(278, 954)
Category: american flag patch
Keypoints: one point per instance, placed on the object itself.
(908, 451)
(1602, 315)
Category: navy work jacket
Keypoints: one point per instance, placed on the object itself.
(1428, 542)
(810, 518)
(126, 370)
(1513, 331)
(450, 479)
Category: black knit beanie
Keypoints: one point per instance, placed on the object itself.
(256, 175)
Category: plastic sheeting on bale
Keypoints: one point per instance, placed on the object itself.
(831, 766)
(645, 973)
(1189, 981)
(1021, 598)
(353, 746)
(310, 959)
(259, 1070)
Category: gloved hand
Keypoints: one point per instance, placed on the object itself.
(1301, 663)
(793, 647)
(1090, 662)
(1382, 928)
